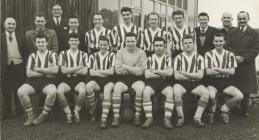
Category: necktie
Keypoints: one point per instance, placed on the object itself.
(242, 29)
(202, 32)
(10, 37)
(57, 21)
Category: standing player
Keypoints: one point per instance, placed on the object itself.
(101, 66)
(220, 67)
(177, 32)
(41, 68)
(73, 63)
(130, 63)
(188, 72)
(151, 32)
(92, 36)
(158, 74)
(120, 31)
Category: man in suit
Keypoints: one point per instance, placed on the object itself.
(40, 22)
(14, 54)
(244, 42)
(227, 23)
(73, 27)
(204, 34)
(57, 22)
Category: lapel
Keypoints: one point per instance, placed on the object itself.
(4, 46)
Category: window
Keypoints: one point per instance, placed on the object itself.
(185, 4)
(110, 12)
(171, 2)
(179, 3)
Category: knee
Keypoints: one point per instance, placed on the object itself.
(117, 91)
(146, 95)
(239, 96)
(205, 94)
(20, 92)
(52, 93)
(212, 96)
(169, 96)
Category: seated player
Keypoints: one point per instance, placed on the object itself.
(40, 71)
(130, 63)
(188, 73)
(158, 80)
(101, 69)
(220, 67)
(73, 63)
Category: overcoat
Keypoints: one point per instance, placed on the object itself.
(245, 44)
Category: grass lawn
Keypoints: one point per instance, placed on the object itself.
(240, 128)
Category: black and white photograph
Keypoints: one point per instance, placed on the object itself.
(129, 70)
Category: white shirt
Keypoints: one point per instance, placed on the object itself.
(55, 19)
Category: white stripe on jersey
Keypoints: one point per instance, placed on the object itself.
(121, 30)
(101, 62)
(92, 37)
(177, 36)
(190, 64)
(225, 60)
(68, 59)
(37, 59)
(149, 36)
(155, 63)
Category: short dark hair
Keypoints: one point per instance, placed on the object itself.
(98, 13)
(103, 38)
(203, 14)
(219, 34)
(130, 34)
(73, 16)
(244, 12)
(126, 9)
(177, 12)
(40, 15)
(41, 36)
(153, 13)
(159, 39)
(74, 35)
(187, 36)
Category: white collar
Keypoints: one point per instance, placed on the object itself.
(8, 34)
(205, 29)
(244, 28)
(99, 30)
(70, 31)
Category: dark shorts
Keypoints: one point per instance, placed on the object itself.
(158, 85)
(102, 81)
(74, 80)
(129, 80)
(189, 85)
(219, 83)
(39, 83)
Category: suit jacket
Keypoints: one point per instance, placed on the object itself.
(245, 44)
(65, 37)
(58, 29)
(50, 33)
(208, 45)
(23, 49)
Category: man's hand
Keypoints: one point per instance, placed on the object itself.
(239, 59)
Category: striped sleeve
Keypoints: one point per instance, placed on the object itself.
(111, 60)
(232, 61)
(169, 63)
(207, 61)
(177, 63)
(54, 58)
(149, 63)
(200, 63)
(91, 62)
(143, 60)
(140, 41)
(62, 59)
(30, 62)
(84, 59)
(87, 41)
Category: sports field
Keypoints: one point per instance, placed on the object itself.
(240, 128)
